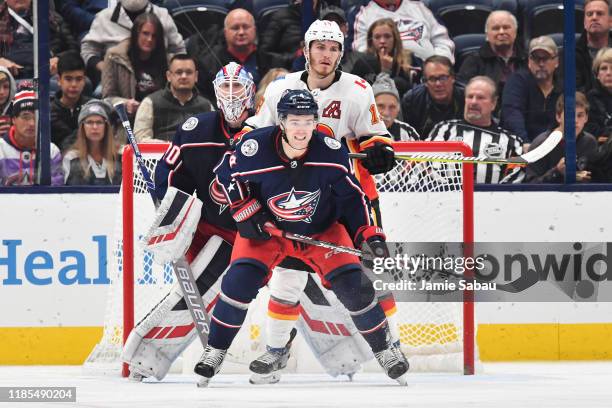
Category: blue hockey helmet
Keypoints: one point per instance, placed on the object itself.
(297, 102)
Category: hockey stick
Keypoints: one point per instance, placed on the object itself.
(530, 157)
(272, 230)
(181, 267)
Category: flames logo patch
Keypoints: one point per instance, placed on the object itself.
(216, 194)
(295, 206)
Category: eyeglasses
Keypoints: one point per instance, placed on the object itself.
(181, 72)
(93, 123)
(537, 59)
(433, 79)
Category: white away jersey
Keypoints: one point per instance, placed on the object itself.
(346, 108)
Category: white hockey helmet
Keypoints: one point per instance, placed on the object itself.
(235, 90)
(321, 30)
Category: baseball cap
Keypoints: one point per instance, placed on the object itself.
(544, 43)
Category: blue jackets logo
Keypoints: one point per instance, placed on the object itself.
(295, 206)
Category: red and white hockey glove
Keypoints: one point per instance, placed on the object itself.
(380, 158)
(250, 218)
(375, 238)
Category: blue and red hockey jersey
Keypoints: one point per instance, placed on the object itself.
(305, 195)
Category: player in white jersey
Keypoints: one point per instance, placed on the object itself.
(348, 113)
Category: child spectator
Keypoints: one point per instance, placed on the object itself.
(68, 99)
(18, 147)
(7, 93)
(551, 168)
(93, 159)
(136, 67)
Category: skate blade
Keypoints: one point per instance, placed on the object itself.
(402, 380)
(259, 379)
(203, 382)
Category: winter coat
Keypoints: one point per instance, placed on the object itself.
(600, 112)
(585, 79)
(118, 77)
(64, 121)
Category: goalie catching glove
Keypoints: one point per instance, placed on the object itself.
(250, 219)
(175, 223)
(380, 158)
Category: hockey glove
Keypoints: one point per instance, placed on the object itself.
(250, 218)
(380, 158)
(375, 238)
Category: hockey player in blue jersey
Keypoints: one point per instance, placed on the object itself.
(301, 181)
(187, 166)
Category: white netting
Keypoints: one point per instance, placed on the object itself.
(420, 202)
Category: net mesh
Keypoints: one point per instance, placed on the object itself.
(420, 202)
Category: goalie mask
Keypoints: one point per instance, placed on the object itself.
(235, 91)
(322, 30)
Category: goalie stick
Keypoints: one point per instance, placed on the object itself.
(181, 268)
(530, 157)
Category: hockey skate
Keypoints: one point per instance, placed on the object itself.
(266, 368)
(135, 376)
(393, 361)
(209, 364)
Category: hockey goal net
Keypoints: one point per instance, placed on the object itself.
(420, 202)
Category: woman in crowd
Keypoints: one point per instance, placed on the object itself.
(600, 97)
(136, 66)
(93, 159)
(270, 76)
(7, 92)
(384, 42)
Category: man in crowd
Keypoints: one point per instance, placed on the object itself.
(240, 46)
(68, 99)
(500, 56)
(160, 113)
(388, 104)
(596, 36)
(18, 147)
(439, 98)
(528, 102)
(478, 130)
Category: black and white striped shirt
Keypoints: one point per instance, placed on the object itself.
(492, 141)
(403, 132)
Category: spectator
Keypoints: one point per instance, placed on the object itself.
(421, 33)
(17, 38)
(551, 168)
(438, 99)
(68, 100)
(270, 76)
(500, 56)
(163, 111)
(361, 64)
(596, 36)
(388, 104)
(136, 66)
(93, 159)
(600, 97)
(113, 25)
(478, 130)
(7, 93)
(239, 46)
(385, 43)
(18, 147)
(81, 13)
(528, 102)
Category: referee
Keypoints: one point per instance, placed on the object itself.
(478, 130)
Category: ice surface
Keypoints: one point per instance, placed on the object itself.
(512, 385)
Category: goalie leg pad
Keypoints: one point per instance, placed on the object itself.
(356, 293)
(176, 220)
(166, 331)
(238, 289)
(286, 287)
